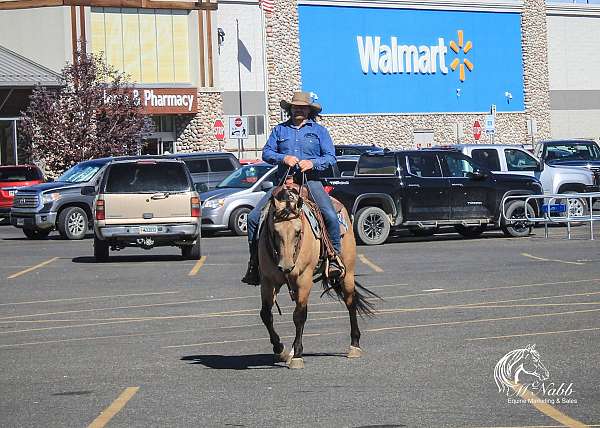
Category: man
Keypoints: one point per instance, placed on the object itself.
(298, 145)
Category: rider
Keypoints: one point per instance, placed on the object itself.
(298, 145)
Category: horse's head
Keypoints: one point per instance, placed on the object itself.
(287, 228)
(532, 364)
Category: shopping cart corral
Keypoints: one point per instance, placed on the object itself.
(565, 208)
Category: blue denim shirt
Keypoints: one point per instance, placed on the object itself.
(309, 142)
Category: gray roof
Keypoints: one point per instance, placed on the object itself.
(16, 70)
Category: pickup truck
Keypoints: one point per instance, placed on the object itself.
(570, 153)
(555, 178)
(424, 189)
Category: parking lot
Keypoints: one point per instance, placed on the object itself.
(150, 339)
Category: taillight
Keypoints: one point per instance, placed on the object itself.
(100, 213)
(328, 189)
(195, 203)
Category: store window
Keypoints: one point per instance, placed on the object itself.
(151, 45)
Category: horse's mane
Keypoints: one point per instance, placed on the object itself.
(504, 368)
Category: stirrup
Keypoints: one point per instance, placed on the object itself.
(339, 267)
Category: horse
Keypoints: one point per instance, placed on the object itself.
(289, 253)
(516, 363)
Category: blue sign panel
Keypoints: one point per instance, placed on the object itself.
(376, 60)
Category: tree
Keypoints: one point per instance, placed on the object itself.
(94, 114)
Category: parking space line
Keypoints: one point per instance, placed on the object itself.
(540, 333)
(89, 298)
(114, 408)
(541, 259)
(32, 268)
(369, 263)
(197, 266)
(546, 408)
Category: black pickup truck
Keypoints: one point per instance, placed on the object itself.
(424, 189)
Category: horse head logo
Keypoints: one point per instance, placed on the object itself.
(516, 366)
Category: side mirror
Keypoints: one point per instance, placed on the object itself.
(201, 187)
(477, 175)
(266, 185)
(347, 174)
(88, 190)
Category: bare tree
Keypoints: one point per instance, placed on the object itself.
(94, 114)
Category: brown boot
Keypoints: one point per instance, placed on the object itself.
(336, 268)
(252, 276)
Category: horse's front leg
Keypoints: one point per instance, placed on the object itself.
(304, 285)
(267, 293)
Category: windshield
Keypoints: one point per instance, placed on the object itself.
(80, 173)
(561, 152)
(245, 177)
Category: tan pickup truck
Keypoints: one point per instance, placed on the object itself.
(146, 202)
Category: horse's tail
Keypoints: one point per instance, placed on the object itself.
(361, 295)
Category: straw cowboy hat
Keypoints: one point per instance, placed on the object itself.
(301, 99)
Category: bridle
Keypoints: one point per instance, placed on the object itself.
(287, 214)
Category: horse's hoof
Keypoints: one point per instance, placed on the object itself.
(296, 363)
(354, 352)
(284, 357)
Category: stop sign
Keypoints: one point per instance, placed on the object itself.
(219, 130)
(477, 130)
(238, 121)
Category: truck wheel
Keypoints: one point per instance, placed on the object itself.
(101, 250)
(577, 207)
(36, 233)
(73, 223)
(238, 222)
(470, 231)
(192, 252)
(372, 225)
(516, 210)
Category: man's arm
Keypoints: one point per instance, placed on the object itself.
(270, 153)
(327, 157)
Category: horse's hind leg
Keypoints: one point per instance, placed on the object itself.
(350, 301)
(266, 314)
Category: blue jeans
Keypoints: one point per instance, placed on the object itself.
(323, 201)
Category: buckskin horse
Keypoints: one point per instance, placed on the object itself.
(290, 253)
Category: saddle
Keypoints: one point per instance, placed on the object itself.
(317, 224)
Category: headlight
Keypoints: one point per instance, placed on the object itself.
(214, 203)
(50, 197)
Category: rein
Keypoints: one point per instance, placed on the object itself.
(284, 215)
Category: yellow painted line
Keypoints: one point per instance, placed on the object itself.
(551, 260)
(197, 266)
(546, 408)
(540, 333)
(71, 299)
(114, 408)
(369, 263)
(32, 268)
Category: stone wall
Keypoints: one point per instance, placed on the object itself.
(196, 134)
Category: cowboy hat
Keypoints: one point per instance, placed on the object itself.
(301, 99)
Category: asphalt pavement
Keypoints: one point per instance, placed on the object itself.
(151, 340)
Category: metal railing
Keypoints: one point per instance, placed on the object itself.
(554, 209)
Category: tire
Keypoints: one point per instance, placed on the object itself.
(470, 231)
(423, 232)
(101, 250)
(36, 233)
(577, 207)
(516, 209)
(192, 252)
(372, 225)
(73, 223)
(238, 221)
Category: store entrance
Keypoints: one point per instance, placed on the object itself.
(157, 146)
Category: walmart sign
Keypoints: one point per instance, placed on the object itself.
(370, 60)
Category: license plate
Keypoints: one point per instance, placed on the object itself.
(20, 221)
(148, 229)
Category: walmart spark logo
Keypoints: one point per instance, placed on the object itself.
(465, 49)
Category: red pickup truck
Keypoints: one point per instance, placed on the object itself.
(12, 177)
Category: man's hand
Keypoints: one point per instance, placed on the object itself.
(305, 165)
(290, 160)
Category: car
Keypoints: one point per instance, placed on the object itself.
(41, 208)
(355, 149)
(12, 177)
(208, 168)
(146, 202)
(227, 206)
